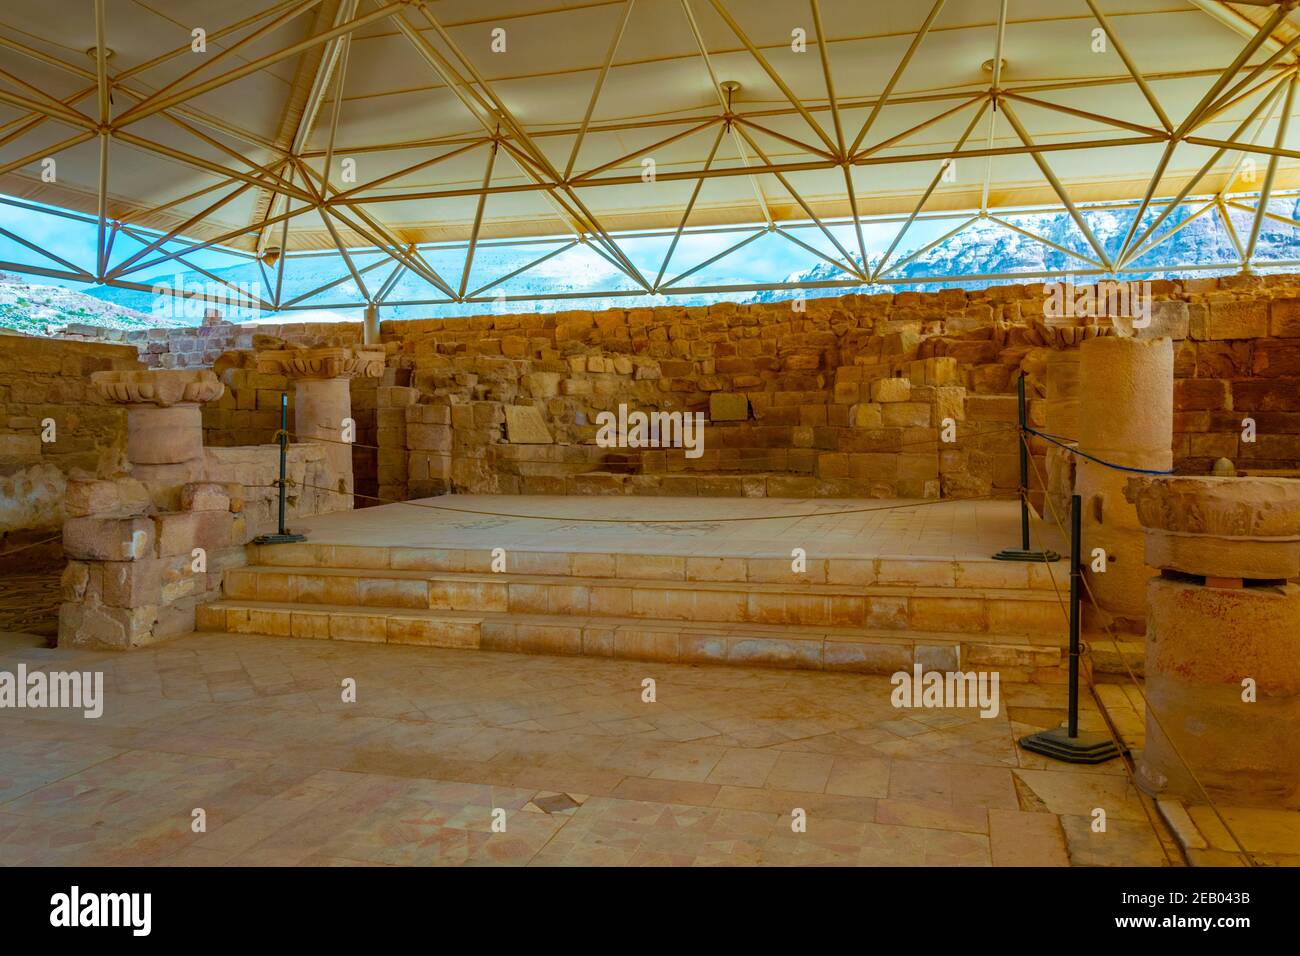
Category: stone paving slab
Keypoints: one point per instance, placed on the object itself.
(439, 743)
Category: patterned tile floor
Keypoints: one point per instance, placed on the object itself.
(752, 527)
(29, 602)
(441, 743)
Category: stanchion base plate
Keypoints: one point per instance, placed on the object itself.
(1015, 554)
(279, 538)
(1085, 748)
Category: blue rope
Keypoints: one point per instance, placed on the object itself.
(1055, 440)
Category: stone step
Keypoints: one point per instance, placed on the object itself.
(888, 571)
(863, 650)
(1023, 612)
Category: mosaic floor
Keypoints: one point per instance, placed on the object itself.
(753, 527)
(29, 603)
(440, 744)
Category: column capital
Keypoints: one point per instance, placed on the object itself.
(1222, 527)
(1066, 335)
(162, 388)
(321, 363)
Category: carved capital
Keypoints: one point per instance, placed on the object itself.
(322, 363)
(163, 388)
(1226, 527)
(1058, 335)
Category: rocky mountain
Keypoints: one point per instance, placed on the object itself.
(570, 273)
(986, 247)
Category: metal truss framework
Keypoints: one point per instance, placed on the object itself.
(292, 187)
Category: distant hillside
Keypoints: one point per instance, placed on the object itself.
(29, 307)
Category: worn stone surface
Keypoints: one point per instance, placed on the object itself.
(524, 426)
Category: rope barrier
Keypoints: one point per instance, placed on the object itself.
(1092, 686)
(1125, 758)
(505, 514)
(34, 544)
(998, 428)
(1083, 454)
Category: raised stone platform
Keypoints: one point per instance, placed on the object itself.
(886, 583)
(862, 528)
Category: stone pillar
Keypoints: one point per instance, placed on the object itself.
(1126, 410)
(322, 399)
(164, 424)
(1224, 612)
(144, 548)
(1061, 413)
(1062, 419)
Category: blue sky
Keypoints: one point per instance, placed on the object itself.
(767, 259)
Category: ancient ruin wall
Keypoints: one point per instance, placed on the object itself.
(792, 397)
(787, 394)
(45, 393)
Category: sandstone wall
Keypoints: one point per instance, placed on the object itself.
(1241, 360)
(787, 394)
(791, 397)
(200, 347)
(49, 380)
(797, 402)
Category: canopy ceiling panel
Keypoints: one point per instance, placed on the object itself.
(315, 124)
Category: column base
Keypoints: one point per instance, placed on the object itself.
(286, 538)
(1015, 554)
(1085, 748)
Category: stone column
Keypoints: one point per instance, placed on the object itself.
(1126, 410)
(322, 400)
(1062, 420)
(1224, 613)
(164, 424)
(130, 539)
(1062, 381)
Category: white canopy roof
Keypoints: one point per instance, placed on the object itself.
(477, 119)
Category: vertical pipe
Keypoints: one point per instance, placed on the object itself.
(370, 325)
(1076, 520)
(284, 453)
(1282, 121)
(1024, 465)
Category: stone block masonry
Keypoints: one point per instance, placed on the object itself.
(150, 542)
(201, 347)
(815, 403)
(777, 387)
(842, 397)
(52, 425)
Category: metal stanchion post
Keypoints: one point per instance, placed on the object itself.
(283, 536)
(1066, 743)
(1023, 553)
